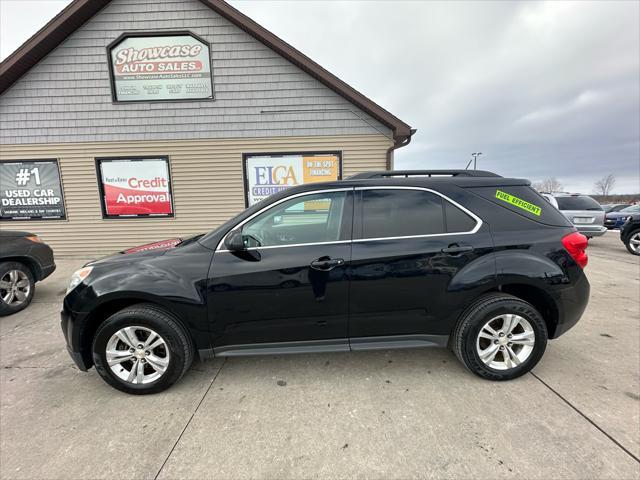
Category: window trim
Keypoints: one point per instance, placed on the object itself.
(478, 220)
(274, 204)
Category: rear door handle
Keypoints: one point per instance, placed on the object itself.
(455, 249)
(324, 264)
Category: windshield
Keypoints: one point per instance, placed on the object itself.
(579, 202)
(631, 209)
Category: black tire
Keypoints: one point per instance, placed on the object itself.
(465, 334)
(627, 242)
(181, 348)
(5, 268)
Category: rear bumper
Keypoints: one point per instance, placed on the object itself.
(591, 230)
(68, 322)
(572, 303)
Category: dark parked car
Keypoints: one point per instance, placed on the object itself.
(630, 234)
(617, 219)
(24, 260)
(614, 207)
(470, 260)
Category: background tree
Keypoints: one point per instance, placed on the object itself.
(605, 185)
(549, 185)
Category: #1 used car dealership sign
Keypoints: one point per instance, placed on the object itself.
(31, 190)
(147, 67)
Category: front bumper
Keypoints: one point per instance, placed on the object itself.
(592, 230)
(68, 320)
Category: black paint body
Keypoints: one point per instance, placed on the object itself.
(387, 293)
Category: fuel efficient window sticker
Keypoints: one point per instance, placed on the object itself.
(518, 202)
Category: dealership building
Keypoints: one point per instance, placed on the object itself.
(128, 121)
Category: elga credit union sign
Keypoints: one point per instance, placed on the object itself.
(160, 67)
(135, 187)
(31, 190)
(266, 174)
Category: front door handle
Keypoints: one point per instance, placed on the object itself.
(324, 264)
(455, 249)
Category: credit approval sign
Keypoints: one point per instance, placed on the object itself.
(156, 67)
(266, 174)
(135, 187)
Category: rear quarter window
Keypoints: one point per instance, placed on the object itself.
(525, 201)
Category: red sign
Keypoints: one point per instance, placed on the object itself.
(136, 187)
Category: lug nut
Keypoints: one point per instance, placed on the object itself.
(131, 350)
(495, 341)
(147, 352)
(501, 334)
(501, 348)
(139, 345)
(509, 336)
(142, 360)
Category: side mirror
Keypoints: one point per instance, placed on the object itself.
(234, 241)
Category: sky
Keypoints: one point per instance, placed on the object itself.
(542, 89)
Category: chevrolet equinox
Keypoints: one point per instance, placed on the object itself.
(394, 259)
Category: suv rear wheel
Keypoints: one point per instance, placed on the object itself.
(142, 349)
(16, 287)
(500, 337)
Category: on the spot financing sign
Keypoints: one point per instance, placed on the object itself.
(167, 67)
(135, 187)
(268, 174)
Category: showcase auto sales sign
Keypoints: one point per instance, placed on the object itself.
(136, 187)
(167, 67)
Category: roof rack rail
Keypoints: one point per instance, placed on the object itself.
(422, 173)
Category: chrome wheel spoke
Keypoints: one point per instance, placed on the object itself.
(133, 372)
(4, 285)
(20, 295)
(13, 276)
(509, 322)
(24, 283)
(140, 372)
(159, 364)
(513, 358)
(8, 298)
(486, 335)
(487, 355)
(115, 357)
(526, 338)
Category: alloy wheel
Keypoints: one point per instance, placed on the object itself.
(505, 341)
(137, 355)
(15, 287)
(634, 242)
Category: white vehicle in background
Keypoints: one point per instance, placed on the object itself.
(583, 211)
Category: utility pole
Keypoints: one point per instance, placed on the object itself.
(475, 156)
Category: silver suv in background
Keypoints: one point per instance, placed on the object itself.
(583, 211)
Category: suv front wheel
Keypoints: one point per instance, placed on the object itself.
(142, 349)
(500, 337)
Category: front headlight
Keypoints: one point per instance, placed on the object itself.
(78, 276)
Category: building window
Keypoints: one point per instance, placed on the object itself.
(135, 187)
(31, 190)
(269, 173)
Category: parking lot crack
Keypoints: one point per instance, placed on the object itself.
(579, 412)
(190, 419)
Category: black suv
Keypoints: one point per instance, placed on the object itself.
(465, 259)
(630, 234)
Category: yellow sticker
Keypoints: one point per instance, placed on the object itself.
(518, 202)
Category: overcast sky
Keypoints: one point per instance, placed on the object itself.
(542, 89)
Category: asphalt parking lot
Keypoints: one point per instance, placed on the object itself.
(384, 414)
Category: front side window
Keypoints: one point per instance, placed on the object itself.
(311, 218)
(400, 213)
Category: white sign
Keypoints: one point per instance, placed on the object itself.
(174, 67)
(269, 174)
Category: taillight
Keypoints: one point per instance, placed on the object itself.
(576, 244)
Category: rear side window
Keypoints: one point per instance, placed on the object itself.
(578, 202)
(457, 220)
(401, 213)
(523, 200)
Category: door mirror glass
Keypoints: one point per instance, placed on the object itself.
(234, 241)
